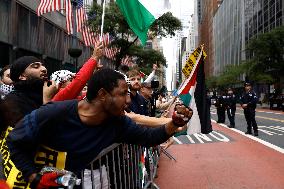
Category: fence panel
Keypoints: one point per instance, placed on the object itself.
(122, 166)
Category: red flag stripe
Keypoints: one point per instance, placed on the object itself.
(46, 6)
(69, 24)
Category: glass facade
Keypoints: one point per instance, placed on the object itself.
(262, 16)
(236, 22)
(227, 32)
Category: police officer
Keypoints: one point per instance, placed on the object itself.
(221, 109)
(230, 100)
(248, 103)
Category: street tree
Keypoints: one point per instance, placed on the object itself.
(123, 37)
(230, 76)
(266, 52)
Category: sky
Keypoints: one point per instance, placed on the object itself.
(182, 9)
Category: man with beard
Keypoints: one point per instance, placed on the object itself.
(138, 105)
(29, 77)
(30, 81)
(99, 118)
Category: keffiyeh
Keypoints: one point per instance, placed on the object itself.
(62, 76)
(5, 89)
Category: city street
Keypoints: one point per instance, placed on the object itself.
(226, 157)
(270, 124)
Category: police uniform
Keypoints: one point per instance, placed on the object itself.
(220, 105)
(251, 100)
(231, 101)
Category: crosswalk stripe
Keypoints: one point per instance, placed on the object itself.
(281, 150)
(268, 118)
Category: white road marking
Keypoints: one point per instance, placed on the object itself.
(200, 136)
(190, 139)
(177, 140)
(274, 147)
(221, 137)
(269, 112)
(276, 128)
(268, 132)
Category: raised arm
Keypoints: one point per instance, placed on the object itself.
(152, 74)
(72, 90)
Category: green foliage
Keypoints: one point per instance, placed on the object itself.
(211, 82)
(125, 39)
(267, 56)
(230, 76)
(148, 57)
(266, 63)
(167, 24)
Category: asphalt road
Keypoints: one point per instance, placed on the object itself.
(270, 124)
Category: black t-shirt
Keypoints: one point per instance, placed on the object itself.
(138, 104)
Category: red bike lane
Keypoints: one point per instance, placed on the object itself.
(239, 163)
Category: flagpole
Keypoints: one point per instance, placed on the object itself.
(103, 20)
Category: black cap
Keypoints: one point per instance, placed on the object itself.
(146, 84)
(247, 83)
(19, 66)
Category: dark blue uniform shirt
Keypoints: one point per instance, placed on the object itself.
(250, 99)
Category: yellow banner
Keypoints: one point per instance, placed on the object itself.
(44, 157)
(191, 61)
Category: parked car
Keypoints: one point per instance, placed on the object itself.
(276, 102)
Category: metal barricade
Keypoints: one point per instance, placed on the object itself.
(122, 166)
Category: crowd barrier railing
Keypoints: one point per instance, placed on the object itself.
(122, 166)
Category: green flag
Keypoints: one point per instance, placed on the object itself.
(140, 14)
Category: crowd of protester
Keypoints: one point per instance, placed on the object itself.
(78, 115)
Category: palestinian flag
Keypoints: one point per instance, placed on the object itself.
(193, 93)
(140, 14)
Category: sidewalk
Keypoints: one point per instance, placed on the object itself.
(263, 107)
(239, 163)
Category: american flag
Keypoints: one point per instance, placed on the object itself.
(127, 61)
(69, 16)
(81, 16)
(89, 37)
(111, 52)
(46, 6)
